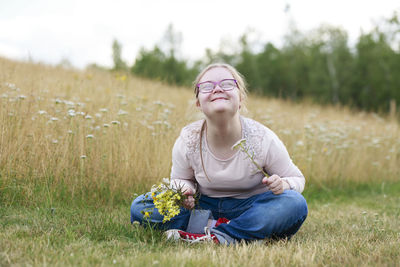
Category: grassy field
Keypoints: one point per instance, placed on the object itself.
(362, 230)
(76, 146)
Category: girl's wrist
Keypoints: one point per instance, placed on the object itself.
(286, 185)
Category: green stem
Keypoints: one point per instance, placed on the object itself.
(252, 159)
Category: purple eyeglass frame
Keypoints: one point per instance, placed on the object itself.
(215, 84)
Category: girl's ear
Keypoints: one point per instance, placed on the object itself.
(198, 103)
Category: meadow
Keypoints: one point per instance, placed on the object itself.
(77, 146)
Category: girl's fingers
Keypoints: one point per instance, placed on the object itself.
(275, 183)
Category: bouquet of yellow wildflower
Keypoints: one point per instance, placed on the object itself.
(167, 199)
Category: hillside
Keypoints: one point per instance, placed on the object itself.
(77, 146)
(94, 134)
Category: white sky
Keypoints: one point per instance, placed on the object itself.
(83, 31)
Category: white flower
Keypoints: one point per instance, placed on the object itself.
(375, 141)
(83, 157)
(71, 113)
(54, 141)
(105, 125)
(115, 122)
(104, 110)
(89, 136)
(54, 119)
(42, 112)
(69, 103)
(88, 117)
(166, 181)
(122, 112)
(10, 85)
(22, 97)
(158, 102)
(166, 123)
(98, 115)
(172, 106)
(300, 143)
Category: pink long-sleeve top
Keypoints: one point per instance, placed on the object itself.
(237, 176)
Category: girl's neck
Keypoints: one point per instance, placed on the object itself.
(224, 132)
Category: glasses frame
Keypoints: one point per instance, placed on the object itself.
(215, 84)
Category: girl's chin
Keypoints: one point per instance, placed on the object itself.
(220, 111)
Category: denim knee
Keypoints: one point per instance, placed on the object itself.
(289, 204)
(298, 203)
(136, 209)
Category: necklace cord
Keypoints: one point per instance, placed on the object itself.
(201, 150)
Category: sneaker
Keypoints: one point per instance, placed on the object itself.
(175, 234)
(221, 221)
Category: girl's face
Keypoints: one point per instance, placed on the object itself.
(218, 101)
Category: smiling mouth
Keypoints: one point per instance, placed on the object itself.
(219, 98)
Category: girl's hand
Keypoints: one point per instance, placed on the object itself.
(189, 202)
(275, 184)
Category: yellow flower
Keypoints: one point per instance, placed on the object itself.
(167, 200)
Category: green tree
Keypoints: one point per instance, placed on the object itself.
(331, 64)
(119, 64)
(247, 65)
(374, 73)
(149, 63)
(165, 64)
(269, 63)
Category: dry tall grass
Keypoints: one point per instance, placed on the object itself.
(89, 130)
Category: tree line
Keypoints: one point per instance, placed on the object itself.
(319, 65)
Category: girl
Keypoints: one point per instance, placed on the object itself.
(237, 201)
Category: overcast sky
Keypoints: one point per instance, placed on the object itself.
(82, 31)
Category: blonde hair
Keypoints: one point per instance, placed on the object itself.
(241, 83)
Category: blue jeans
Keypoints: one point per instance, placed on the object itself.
(261, 216)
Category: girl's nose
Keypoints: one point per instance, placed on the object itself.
(217, 88)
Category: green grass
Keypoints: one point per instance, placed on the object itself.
(362, 228)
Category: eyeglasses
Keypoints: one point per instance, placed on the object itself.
(209, 86)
